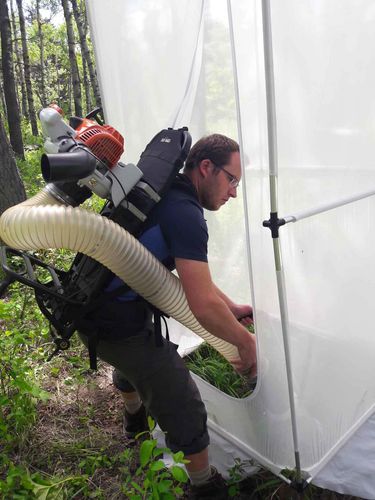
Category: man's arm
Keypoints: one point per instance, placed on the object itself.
(242, 312)
(212, 311)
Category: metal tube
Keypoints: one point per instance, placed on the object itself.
(303, 214)
(270, 88)
(273, 170)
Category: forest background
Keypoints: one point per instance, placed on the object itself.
(46, 57)
(60, 424)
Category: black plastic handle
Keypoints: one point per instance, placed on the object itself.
(5, 283)
(94, 114)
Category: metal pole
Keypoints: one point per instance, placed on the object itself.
(303, 214)
(273, 170)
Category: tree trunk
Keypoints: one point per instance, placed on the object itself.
(2, 96)
(72, 58)
(11, 186)
(9, 83)
(42, 71)
(86, 84)
(26, 64)
(19, 66)
(86, 55)
(70, 111)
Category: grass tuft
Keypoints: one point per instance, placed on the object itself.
(211, 366)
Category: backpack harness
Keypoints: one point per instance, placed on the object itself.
(66, 297)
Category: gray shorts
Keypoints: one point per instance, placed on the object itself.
(164, 384)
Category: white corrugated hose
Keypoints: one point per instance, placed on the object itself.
(43, 222)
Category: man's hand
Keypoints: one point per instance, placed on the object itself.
(246, 364)
(244, 313)
(217, 314)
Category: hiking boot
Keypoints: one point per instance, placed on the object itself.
(216, 488)
(134, 423)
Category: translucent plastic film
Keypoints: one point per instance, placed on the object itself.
(326, 149)
(149, 55)
(160, 60)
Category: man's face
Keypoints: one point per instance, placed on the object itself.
(220, 183)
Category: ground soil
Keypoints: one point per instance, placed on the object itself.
(81, 419)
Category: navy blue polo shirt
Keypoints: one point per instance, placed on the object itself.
(175, 228)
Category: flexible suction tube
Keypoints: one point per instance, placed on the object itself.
(42, 222)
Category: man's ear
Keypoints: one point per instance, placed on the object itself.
(204, 168)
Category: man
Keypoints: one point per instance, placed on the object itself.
(152, 377)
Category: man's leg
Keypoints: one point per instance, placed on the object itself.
(170, 394)
(198, 468)
(128, 393)
(135, 418)
(132, 401)
(205, 480)
(198, 461)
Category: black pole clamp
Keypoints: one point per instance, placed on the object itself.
(300, 485)
(274, 223)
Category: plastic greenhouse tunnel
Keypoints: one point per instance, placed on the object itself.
(293, 82)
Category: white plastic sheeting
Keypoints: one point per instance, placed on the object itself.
(164, 63)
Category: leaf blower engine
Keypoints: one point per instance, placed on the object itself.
(82, 158)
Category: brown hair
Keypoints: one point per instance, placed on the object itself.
(216, 147)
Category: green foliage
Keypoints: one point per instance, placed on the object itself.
(209, 364)
(31, 173)
(236, 474)
(152, 479)
(93, 460)
(22, 333)
(56, 62)
(57, 74)
(19, 483)
(19, 390)
(220, 105)
(31, 142)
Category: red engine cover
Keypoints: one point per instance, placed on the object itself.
(103, 140)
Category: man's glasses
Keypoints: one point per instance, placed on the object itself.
(233, 181)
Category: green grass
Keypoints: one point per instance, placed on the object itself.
(210, 365)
